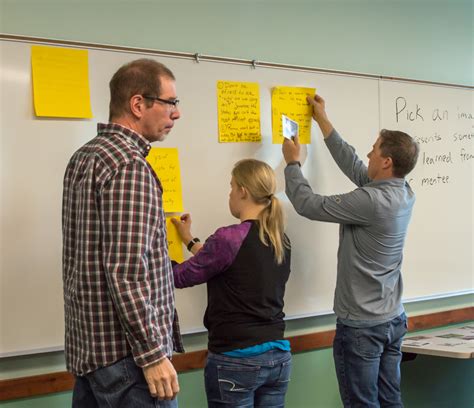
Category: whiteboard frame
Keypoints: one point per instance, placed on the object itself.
(226, 60)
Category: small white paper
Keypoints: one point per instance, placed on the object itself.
(290, 127)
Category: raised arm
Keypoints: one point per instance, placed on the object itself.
(343, 154)
(356, 207)
(319, 115)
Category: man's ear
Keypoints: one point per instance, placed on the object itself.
(137, 106)
(387, 163)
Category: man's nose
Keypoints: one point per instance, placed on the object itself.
(176, 114)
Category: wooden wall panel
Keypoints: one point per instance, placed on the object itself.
(64, 381)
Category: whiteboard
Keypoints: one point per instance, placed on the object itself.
(439, 249)
(34, 153)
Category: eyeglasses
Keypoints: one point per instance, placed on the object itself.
(173, 103)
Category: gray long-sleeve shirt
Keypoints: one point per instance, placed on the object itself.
(373, 224)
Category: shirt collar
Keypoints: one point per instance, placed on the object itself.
(395, 181)
(130, 135)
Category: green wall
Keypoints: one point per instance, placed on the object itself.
(431, 382)
(424, 39)
(420, 39)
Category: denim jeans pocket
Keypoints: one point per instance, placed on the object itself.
(236, 381)
(111, 378)
(400, 328)
(285, 372)
(370, 341)
(405, 322)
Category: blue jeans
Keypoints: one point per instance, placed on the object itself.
(368, 363)
(121, 384)
(258, 381)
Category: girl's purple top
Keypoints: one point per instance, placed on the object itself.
(216, 255)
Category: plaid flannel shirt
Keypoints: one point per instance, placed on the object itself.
(117, 276)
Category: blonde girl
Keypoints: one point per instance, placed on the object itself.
(246, 267)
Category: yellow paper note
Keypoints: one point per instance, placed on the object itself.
(292, 103)
(60, 82)
(238, 108)
(165, 162)
(175, 247)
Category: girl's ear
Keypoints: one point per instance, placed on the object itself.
(243, 193)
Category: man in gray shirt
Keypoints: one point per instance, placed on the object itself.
(373, 222)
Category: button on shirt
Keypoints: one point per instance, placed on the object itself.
(117, 276)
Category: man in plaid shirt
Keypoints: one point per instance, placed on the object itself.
(120, 322)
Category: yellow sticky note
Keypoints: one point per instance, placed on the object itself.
(175, 247)
(291, 102)
(238, 111)
(165, 163)
(60, 82)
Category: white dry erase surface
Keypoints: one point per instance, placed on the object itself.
(29, 266)
(290, 127)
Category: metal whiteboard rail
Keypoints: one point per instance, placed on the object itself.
(211, 58)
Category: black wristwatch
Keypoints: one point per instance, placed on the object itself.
(291, 163)
(191, 243)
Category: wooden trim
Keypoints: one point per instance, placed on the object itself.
(432, 320)
(189, 361)
(36, 385)
(312, 341)
(64, 381)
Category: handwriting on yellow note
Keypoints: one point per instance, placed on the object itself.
(291, 102)
(238, 111)
(165, 163)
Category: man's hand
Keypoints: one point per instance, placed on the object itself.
(162, 379)
(291, 149)
(319, 114)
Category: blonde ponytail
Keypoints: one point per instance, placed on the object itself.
(258, 178)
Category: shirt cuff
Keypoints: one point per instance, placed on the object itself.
(144, 356)
(292, 171)
(294, 162)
